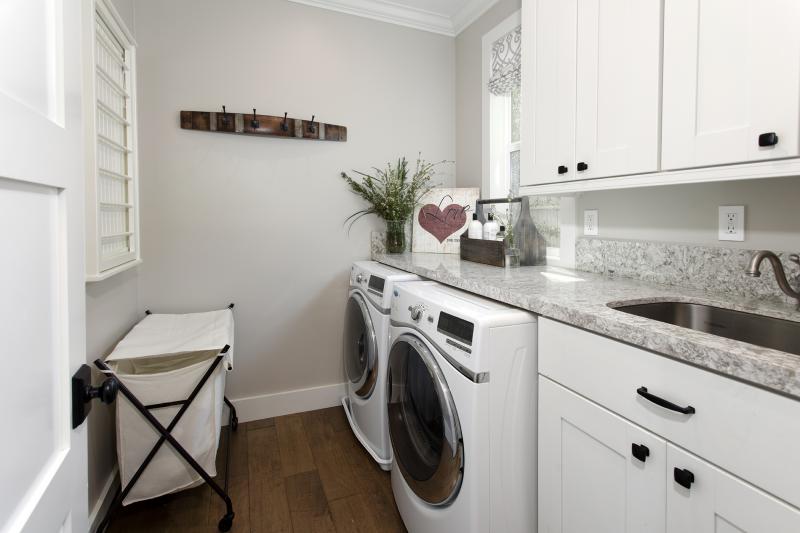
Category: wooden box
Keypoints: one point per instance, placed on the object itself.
(483, 251)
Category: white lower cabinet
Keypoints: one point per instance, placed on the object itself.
(709, 500)
(589, 478)
(600, 473)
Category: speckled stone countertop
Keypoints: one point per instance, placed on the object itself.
(586, 300)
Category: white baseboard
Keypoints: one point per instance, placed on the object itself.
(104, 501)
(288, 402)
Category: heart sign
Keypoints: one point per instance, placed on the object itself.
(441, 223)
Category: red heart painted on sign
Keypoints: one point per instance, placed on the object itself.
(441, 223)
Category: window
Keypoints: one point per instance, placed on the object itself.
(112, 193)
(503, 108)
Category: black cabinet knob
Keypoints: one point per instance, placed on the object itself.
(640, 451)
(582, 166)
(684, 477)
(768, 139)
(562, 169)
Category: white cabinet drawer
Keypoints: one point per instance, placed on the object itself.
(748, 431)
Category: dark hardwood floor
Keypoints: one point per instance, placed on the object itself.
(297, 473)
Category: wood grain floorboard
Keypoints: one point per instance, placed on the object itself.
(291, 474)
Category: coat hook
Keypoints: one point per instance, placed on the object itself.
(284, 125)
(311, 127)
(254, 123)
(225, 119)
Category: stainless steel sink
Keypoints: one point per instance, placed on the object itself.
(760, 330)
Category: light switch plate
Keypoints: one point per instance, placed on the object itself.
(731, 222)
(591, 225)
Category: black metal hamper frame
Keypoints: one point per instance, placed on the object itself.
(226, 522)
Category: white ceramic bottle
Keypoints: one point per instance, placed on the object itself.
(475, 230)
(491, 228)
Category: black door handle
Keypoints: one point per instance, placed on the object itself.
(684, 477)
(562, 169)
(640, 451)
(582, 166)
(83, 393)
(768, 139)
(666, 404)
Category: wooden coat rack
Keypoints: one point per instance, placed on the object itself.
(268, 125)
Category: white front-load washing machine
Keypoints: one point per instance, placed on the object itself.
(366, 349)
(462, 411)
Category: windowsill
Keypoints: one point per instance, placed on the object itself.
(91, 278)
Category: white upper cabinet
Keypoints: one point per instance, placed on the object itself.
(618, 75)
(591, 70)
(548, 91)
(731, 78)
(702, 498)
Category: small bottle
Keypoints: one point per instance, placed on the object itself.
(501, 235)
(475, 230)
(491, 228)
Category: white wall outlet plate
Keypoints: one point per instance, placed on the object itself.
(591, 224)
(731, 222)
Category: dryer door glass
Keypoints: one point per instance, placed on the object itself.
(423, 424)
(360, 347)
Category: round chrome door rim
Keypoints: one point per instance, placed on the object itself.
(452, 458)
(364, 385)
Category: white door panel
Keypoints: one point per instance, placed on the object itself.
(731, 73)
(588, 477)
(717, 502)
(43, 487)
(618, 87)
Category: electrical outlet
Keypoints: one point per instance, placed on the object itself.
(591, 222)
(731, 222)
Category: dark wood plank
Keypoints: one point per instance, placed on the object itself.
(269, 508)
(308, 504)
(339, 478)
(239, 492)
(365, 513)
(260, 424)
(337, 418)
(296, 454)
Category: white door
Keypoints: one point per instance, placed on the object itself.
(731, 75)
(713, 501)
(548, 91)
(597, 472)
(43, 461)
(618, 87)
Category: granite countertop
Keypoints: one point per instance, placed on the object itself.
(586, 300)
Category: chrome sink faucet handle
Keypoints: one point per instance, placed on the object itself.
(754, 267)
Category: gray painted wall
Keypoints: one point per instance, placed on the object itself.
(259, 221)
(688, 213)
(469, 91)
(111, 310)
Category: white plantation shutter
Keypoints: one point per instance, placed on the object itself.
(115, 194)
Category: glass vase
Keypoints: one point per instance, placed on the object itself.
(395, 236)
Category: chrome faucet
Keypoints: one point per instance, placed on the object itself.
(780, 275)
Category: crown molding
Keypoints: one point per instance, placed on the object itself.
(470, 13)
(410, 17)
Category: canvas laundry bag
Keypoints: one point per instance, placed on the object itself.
(161, 360)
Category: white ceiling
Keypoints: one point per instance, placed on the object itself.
(448, 17)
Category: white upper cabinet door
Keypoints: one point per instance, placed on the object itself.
(731, 76)
(618, 87)
(703, 499)
(590, 478)
(548, 91)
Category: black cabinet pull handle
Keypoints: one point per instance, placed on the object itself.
(582, 166)
(562, 169)
(640, 451)
(684, 477)
(768, 139)
(666, 404)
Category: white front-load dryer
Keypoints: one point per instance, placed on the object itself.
(462, 411)
(366, 345)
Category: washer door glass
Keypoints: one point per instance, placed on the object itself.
(360, 347)
(423, 423)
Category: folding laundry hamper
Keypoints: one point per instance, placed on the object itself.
(171, 370)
